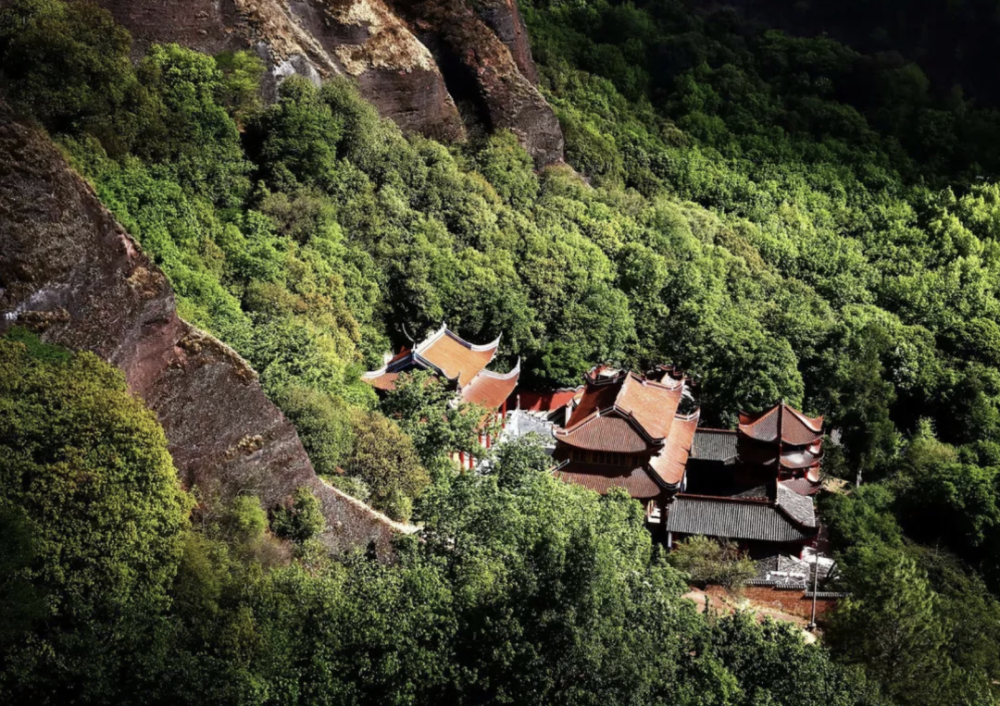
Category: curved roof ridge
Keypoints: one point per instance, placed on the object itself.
(629, 416)
(375, 373)
(751, 417)
(492, 345)
(426, 343)
(583, 422)
(513, 373)
(814, 423)
(726, 499)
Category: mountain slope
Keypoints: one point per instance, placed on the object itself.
(442, 68)
(72, 274)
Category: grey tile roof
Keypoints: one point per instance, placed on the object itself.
(799, 507)
(714, 445)
(731, 518)
(759, 491)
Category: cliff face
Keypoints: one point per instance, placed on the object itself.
(70, 272)
(439, 68)
(482, 48)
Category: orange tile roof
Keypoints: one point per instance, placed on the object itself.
(456, 357)
(796, 428)
(443, 350)
(671, 462)
(491, 389)
(604, 433)
(651, 405)
(381, 380)
(637, 481)
(596, 397)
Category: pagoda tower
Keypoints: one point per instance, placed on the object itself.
(781, 443)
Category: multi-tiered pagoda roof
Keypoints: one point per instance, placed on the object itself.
(784, 439)
(627, 432)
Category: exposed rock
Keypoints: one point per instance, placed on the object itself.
(69, 271)
(394, 70)
(313, 38)
(503, 17)
(483, 74)
(440, 68)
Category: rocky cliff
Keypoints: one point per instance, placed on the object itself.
(441, 68)
(70, 272)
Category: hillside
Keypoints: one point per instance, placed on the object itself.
(74, 276)
(440, 68)
(783, 217)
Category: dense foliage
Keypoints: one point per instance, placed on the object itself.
(522, 590)
(92, 512)
(785, 217)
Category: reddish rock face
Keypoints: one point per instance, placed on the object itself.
(210, 26)
(440, 68)
(503, 17)
(395, 72)
(483, 73)
(69, 271)
(314, 38)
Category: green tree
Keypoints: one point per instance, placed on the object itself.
(68, 64)
(384, 459)
(427, 410)
(324, 425)
(706, 560)
(890, 624)
(301, 520)
(87, 463)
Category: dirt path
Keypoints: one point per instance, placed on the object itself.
(728, 604)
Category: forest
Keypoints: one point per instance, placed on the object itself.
(783, 215)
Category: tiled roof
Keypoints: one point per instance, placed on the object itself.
(714, 445)
(596, 397)
(802, 486)
(637, 481)
(781, 569)
(491, 389)
(799, 507)
(443, 350)
(604, 433)
(671, 462)
(759, 491)
(544, 401)
(381, 380)
(651, 405)
(403, 352)
(792, 459)
(456, 357)
(796, 428)
(731, 518)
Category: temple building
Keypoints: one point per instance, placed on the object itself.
(630, 431)
(780, 443)
(753, 484)
(463, 366)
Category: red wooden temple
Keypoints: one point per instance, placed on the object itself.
(629, 431)
(463, 365)
(753, 484)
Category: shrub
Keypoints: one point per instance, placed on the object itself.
(706, 560)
